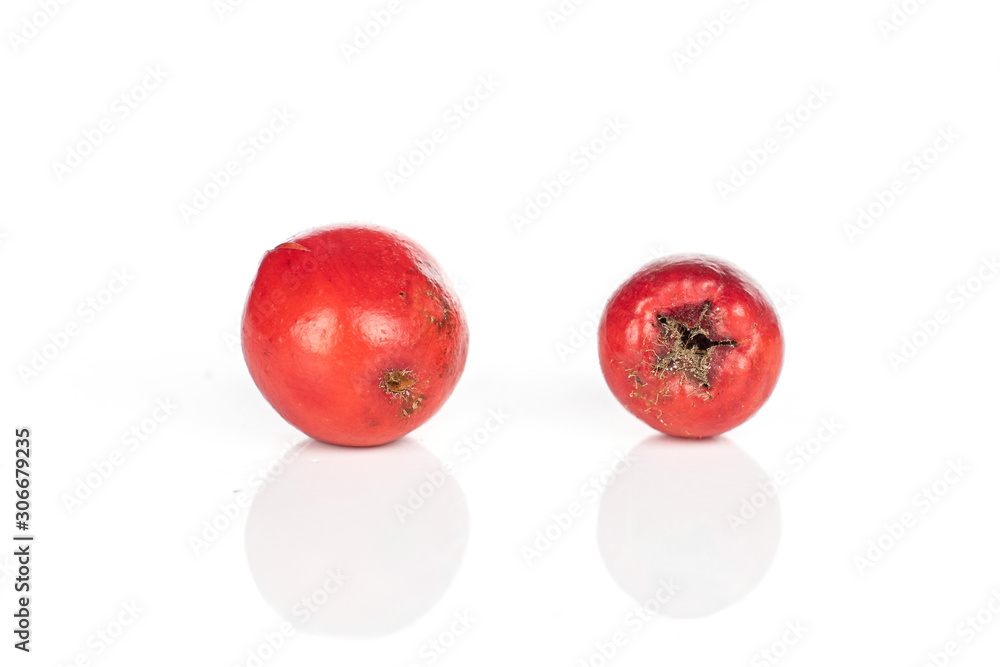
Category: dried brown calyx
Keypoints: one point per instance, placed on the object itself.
(686, 349)
(397, 382)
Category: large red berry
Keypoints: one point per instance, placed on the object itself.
(690, 345)
(353, 334)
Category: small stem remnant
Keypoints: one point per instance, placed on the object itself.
(397, 382)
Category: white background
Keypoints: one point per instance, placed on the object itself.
(531, 292)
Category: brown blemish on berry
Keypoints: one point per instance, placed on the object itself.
(441, 318)
(686, 350)
(413, 406)
(291, 245)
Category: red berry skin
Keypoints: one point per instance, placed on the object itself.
(353, 334)
(691, 346)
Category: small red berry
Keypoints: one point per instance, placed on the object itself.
(353, 334)
(691, 346)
